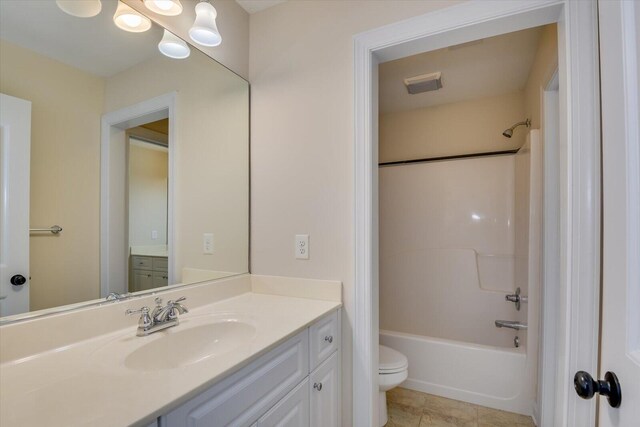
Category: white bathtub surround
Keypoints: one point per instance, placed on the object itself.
(93, 384)
(447, 249)
(435, 307)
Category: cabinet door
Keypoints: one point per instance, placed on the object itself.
(323, 390)
(160, 278)
(291, 411)
(142, 280)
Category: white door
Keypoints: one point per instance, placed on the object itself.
(15, 143)
(620, 340)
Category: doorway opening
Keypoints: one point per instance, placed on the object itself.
(460, 206)
(577, 210)
(137, 246)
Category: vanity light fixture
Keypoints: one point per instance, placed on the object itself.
(204, 30)
(130, 20)
(173, 46)
(164, 7)
(80, 9)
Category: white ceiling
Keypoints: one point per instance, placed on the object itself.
(94, 45)
(253, 6)
(495, 66)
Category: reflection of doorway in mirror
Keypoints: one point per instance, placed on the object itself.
(147, 203)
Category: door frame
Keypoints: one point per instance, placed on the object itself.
(580, 187)
(114, 251)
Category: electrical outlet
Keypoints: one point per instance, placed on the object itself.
(154, 234)
(207, 243)
(302, 246)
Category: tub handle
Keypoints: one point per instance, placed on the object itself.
(516, 298)
(511, 324)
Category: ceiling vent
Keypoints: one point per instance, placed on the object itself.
(423, 83)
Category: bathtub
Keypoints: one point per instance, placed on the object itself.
(490, 376)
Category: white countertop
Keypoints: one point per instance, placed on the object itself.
(153, 250)
(87, 383)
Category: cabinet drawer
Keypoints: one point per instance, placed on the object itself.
(141, 262)
(292, 411)
(240, 399)
(160, 264)
(324, 339)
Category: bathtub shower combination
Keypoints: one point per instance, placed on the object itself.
(458, 238)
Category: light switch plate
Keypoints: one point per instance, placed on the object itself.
(302, 246)
(154, 234)
(207, 243)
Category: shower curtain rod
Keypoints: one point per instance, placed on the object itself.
(458, 156)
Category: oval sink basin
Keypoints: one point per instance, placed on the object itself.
(175, 347)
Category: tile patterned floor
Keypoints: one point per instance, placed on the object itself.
(408, 408)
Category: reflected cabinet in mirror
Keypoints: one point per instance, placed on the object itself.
(139, 159)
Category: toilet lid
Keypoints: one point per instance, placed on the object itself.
(390, 360)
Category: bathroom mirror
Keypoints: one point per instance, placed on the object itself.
(133, 166)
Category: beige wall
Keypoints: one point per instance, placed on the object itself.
(211, 148)
(233, 24)
(544, 66)
(301, 73)
(148, 174)
(458, 128)
(65, 126)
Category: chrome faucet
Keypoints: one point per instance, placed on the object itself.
(160, 318)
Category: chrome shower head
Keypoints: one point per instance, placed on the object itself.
(508, 133)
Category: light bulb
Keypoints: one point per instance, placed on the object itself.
(129, 20)
(80, 9)
(164, 7)
(173, 46)
(204, 30)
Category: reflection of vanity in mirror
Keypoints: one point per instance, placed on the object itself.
(115, 134)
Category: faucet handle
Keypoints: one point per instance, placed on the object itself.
(145, 320)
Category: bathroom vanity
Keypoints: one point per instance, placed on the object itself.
(252, 350)
(297, 382)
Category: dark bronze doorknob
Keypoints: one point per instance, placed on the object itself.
(587, 387)
(18, 280)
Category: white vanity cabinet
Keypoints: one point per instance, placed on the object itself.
(294, 385)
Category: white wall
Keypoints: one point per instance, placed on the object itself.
(301, 73)
(447, 249)
(464, 127)
(148, 173)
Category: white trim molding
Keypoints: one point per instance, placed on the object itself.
(579, 174)
(113, 248)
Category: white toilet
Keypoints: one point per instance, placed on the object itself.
(393, 368)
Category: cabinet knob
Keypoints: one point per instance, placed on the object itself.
(328, 339)
(317, 386)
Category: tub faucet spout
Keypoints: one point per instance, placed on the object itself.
(510, 324)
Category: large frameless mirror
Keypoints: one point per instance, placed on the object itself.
(123, 169)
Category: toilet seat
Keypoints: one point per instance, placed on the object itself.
(391, 361)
